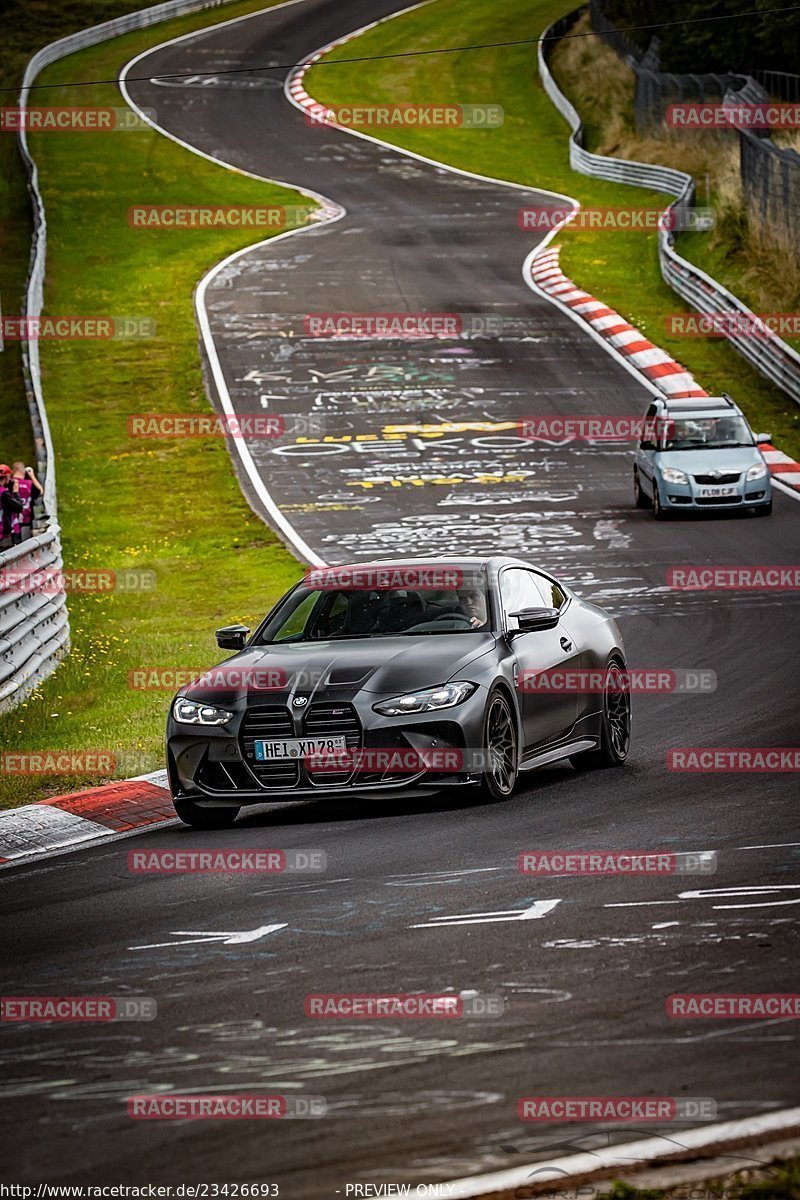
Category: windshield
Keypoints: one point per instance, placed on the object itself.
(706, 433)
(322, 614)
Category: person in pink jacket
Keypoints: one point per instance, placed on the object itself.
(29, 490)
(10, 509)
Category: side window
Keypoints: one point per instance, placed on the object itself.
(295, 624)
(519, 589)
(649, 430)
(552, 595)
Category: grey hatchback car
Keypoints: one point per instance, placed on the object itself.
(700, 454)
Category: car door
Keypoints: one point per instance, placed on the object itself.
(547, 712)
(646, 450)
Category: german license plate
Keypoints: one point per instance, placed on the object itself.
(289, 748)
(708, 492)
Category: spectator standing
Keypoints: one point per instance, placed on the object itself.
(29, 491)
(10, 509)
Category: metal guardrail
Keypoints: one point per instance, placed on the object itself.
(781, 84)
(34, 627)
(768, 354)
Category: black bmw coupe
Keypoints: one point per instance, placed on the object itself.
(411, 676)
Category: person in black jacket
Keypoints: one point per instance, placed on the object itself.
(10, 509)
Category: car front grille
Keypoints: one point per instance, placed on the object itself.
(718, 500)
(273, 721)
(333, 720)
(730, 477)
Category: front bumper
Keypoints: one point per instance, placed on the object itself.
(687, 496)
(216, 765)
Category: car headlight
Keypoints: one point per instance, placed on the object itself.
(191, 712)
(758, 471)
(427, 700)
(673, 475)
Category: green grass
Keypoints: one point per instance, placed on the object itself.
(749, 262)
(173, 507)
(778, 1180)
(531, 148)
(27, 25)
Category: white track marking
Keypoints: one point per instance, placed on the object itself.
(723, 893)
(770, 846)
(776, 483)
(537, 910)
(197, 937)
(610, 1160)
(434, 162)
(624, 362)
(335, 212)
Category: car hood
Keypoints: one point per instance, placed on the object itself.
(700, 462)
(385, 666)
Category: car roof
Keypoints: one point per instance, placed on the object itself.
(706, 405)
(495, 561)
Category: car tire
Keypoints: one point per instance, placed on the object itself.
(639, 497)
(763, 510)
(659, 513)
(615, 728)
(205, 818)
(501, 747)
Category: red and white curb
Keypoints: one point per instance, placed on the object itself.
(626, 1158)
(650, 361)
(640, 355)
(653, 363)
(782, 467)
(320, 113)
(67, 822)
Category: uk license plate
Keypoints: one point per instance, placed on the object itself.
(290, 748)
(708, 492)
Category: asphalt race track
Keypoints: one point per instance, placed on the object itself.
(584, 980)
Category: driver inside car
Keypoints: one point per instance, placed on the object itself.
(473, 606)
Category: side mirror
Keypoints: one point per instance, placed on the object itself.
(762, 438)
(232, 637)
(531, 619)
